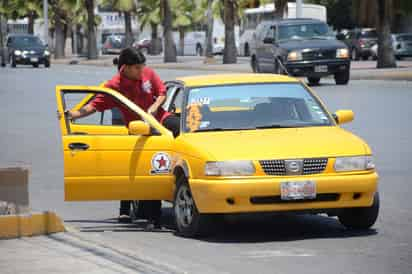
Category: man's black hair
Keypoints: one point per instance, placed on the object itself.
(129, 56)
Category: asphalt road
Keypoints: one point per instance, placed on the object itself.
(264, 244)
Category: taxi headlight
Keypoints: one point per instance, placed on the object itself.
(342, 53)
(229, 168)
(354, 163)
(46, 52)
(295, 56)
(17, 52)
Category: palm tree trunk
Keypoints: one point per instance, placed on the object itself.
(181, 41)
(155, 45)
(128, 28)
(386, 58)
(170, 48)
(281, 6)
(2, 53)
(31, 22)
(230, 52)
(91, 31)
(209, 32)
(59, 36)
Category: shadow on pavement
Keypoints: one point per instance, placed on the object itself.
(245, 228)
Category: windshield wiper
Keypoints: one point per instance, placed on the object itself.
(275, 126)
(220, 129)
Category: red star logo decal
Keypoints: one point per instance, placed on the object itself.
(162, 162)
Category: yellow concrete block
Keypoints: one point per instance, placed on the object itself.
(9, 226)
(14, 226)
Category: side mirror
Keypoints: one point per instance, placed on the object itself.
(139, 128)
(268, 40)
(343, 116)
(340, 36)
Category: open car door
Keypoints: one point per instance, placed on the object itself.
(103, 161)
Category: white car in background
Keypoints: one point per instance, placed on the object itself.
(402, 46)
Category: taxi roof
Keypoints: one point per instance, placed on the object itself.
(231, 79)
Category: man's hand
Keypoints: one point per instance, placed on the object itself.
(152, 110)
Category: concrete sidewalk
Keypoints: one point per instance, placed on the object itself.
(360, 70)
(70, 253)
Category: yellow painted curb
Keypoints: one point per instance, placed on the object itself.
(15, 226)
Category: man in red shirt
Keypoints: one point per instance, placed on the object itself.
(142, 86)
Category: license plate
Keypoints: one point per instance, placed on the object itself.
(299, 190)
(33, 59)
(321, 68)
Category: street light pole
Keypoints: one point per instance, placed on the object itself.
(46, 21)
(299, 8)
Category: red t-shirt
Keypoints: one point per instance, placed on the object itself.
(143, 93)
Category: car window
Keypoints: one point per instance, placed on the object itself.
(369, 34)
(26, 41)
(75, 100)
(303, 31)
(405, 37)
(252, 106)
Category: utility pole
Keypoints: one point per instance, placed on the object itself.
(299, 8)
(46, 21)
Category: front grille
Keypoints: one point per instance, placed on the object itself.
(318, 55)
(273, 167)
(278, 167)
(262, 200)
(314, 166)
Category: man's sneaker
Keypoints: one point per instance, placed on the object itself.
(124, 219)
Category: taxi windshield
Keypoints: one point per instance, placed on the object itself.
(252, 106)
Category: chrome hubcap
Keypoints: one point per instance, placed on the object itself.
(184, 207)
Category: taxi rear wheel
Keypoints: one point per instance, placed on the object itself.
(189, 222)
(360, 217)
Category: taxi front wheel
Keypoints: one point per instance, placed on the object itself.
(360, 217)
(189, 222)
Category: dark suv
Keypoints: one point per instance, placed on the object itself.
(360, 42)
(300, 47)
(26, 49)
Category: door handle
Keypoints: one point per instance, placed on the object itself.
(78, 146)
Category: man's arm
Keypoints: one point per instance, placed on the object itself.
(83, 112)
(159, 101)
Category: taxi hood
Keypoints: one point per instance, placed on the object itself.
(284, 143)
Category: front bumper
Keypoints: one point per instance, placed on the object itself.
(403, 53)
(258, 195)
(31, 59)
(307, 68)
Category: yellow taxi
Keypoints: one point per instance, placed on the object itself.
(247, 143)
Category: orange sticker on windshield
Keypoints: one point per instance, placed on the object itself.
(194, 117)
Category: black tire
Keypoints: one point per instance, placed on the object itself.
(189, 222)
(313, 81)
(247, 51)
(360, 217)
(399, 58)
(35, 65)
(342, 78)
(365, 57)
(255, 64)
(354, 54)
(47, 64)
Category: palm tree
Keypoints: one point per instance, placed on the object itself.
(230, 51)
(127, 7)
(91, 30)
(149, 14)
(209, 32)
(167, 21)
(281, 6)
(386, 58)
(26, 8)
(183, 11)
